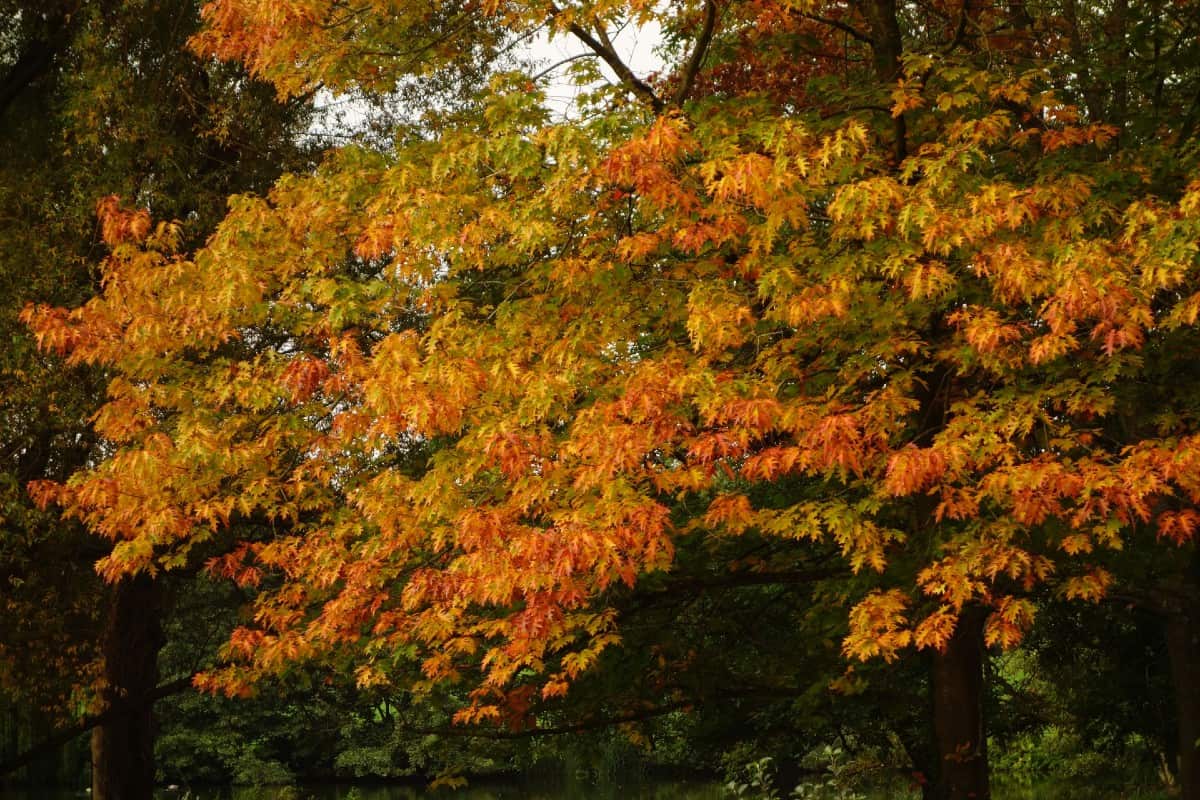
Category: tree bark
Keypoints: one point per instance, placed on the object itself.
(958, 724)
(123, 745)
(887, 45)
(1183, 649)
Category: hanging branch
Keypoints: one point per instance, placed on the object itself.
(563, 62)
(960, 33)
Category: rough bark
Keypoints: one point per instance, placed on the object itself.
(1183, 648)
(1181, 613)
(123, 745)
(958, 723)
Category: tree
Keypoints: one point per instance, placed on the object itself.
(902, 259)
(96, 99)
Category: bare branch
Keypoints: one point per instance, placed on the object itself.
(741, 579)
(564, 62)
(38, 57)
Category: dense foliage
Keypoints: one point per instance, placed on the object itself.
(96, 99)
(878, 308)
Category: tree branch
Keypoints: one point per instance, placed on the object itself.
(960, 33)
(698, 52)
(563, 62)
(579, 727)
(603, 48)
(739, 579)
(62, 736)
(748, 693)
(853, 32)
(37, 58)
(888, 47)
(34, 62)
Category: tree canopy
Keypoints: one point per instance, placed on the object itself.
(911, 283)
(95, 99)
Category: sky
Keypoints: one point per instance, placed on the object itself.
(341, 116)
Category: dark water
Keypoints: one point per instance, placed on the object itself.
(659, 791)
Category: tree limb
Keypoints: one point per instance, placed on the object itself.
(563, 62)
(738, 579)
(749, 693)
(960, 33)
(888, 47)
(63, 736)
(603, 47)
(852, 31)
(34, 62)
(696, 60)
(37, 57)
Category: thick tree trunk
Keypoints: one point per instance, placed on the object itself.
(958, 728)
(123, 746)
(1183, 648)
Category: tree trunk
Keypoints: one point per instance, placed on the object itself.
(123, 746)
(1183, 649)
(888, 47)
(958, 729)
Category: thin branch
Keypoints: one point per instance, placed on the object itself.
(841, 26)
(558, 64)
(604, 48)
(38, 57)
(419, 49)
(602, 35)
(748, 693)
(851, 109)
(520, 40)
(33, 63)
(1189, 123)
(698, 52)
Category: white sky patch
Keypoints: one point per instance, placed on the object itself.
(336, 116)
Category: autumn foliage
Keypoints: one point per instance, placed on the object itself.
(473, 384)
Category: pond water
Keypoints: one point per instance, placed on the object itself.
(575, 790)
(653, 791)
